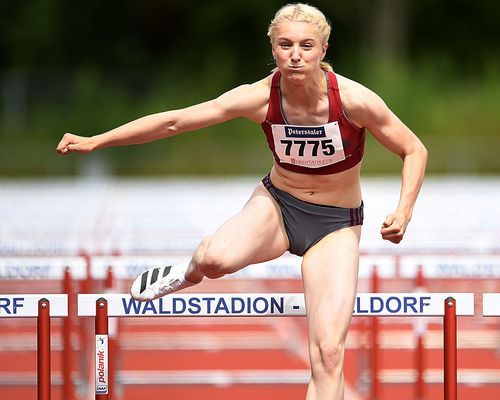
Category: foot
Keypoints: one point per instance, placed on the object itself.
(157, 282)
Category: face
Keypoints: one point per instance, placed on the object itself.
(298, 49)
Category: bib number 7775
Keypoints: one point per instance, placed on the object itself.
(327, 148)
(308, 146)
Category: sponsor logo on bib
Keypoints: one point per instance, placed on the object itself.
(304, 132)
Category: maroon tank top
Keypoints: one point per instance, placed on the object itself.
(321, 150)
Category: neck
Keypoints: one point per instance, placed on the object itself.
(306, 90)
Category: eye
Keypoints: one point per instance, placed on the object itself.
(285, 45)
(308, 46)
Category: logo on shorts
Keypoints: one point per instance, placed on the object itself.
(305, 131)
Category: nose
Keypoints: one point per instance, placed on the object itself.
(295, 56)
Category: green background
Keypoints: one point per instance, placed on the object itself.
(86, 67)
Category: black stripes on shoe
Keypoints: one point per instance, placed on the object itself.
(144, 281)
(154, 276)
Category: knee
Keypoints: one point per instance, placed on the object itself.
(210, 259)
(327, 358)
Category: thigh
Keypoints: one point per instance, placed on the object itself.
(330, 275)
(256, 234)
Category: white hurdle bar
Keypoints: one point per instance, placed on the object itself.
(271, 305)
(102, 306)
(491, 304)
(43, 307)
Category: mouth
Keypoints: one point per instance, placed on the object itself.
(296, 68)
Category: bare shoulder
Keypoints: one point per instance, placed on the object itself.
(358, 101)
(248, 100)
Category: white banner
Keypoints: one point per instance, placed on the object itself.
(272, 304)
(287, 266)
(452, 266)
(41, 267)
(491, 304)
(26, 305)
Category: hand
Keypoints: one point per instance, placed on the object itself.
(70, 143)
(394, 227)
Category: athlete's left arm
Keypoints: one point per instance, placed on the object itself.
(367, 109)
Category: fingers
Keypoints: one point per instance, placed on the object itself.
(73, 143)
(394, 237)
(64, 149)
(393, 229)
(64, 146)
(388, 221)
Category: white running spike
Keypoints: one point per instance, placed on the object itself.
(157, 282)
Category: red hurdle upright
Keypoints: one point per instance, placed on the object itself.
(450, 349)
(112, 338)
(375, 351)
(101, 350)
(420, 328)
(67, 361)
(43, 350)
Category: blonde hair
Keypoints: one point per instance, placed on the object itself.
(300, 12)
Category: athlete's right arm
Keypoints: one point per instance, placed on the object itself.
(248, 101)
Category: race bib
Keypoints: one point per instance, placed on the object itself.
(309, 146)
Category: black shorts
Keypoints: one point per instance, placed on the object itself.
(307, 223)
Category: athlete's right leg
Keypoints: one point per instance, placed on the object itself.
(256, 234)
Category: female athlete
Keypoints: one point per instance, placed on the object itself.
(310, 203)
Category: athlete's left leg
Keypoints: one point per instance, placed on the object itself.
(330, 274)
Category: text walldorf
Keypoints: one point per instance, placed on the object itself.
(247, 305)
(392, 305)
(11, 306)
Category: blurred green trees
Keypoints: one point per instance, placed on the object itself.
(85, 67)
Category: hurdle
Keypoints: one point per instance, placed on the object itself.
(43, 307)
(102, 306)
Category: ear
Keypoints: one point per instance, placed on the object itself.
(323, 53)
